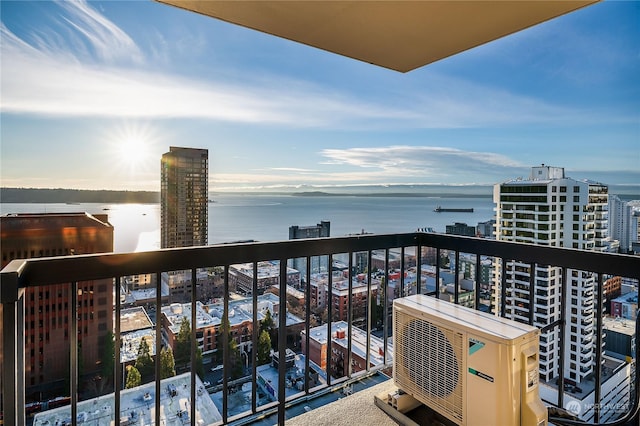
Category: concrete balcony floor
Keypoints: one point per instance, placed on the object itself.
(356, 409)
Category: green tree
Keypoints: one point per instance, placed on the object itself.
(183, 344)
(182, 354)
(108, 355)
(236, 359)
(235, 356)
(199, 367)
(144, 362)
(267, 323)
(133, 377)
(264, 348)
(167, 363)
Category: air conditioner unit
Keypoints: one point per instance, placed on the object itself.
(470, 367)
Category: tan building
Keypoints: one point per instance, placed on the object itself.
(47, 308)
(241, 277)
(317, 350)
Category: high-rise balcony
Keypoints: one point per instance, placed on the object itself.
(461, 31)
(347, 369)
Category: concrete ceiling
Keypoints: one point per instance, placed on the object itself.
(399, 35)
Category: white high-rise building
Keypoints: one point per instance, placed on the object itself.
(623, 225)
(551, 209)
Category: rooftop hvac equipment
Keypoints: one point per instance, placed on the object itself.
(470, 367)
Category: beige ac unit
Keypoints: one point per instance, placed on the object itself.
(470, 367)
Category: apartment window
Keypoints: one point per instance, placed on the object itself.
(554, 199)
(563, 189)
(554, 189)
(576, 189)
(563, 199)
(576, 198)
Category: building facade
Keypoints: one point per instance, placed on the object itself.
(337, 360)
(318, 263)
(461, 228)
(184, 197)
(623, 225)
(485, 229)
(47, 308)
(322, 229)
(241, 277)
(551, 209)
(625, 306)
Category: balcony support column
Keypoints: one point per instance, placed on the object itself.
(12, 298)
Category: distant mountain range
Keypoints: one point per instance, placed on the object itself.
(59, 195)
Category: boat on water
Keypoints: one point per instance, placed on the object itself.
(454, 210)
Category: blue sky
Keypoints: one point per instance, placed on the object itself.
(94, 92)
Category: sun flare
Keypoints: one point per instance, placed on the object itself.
(133, 146)
(134, 150)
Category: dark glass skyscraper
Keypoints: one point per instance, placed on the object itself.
(184, 197)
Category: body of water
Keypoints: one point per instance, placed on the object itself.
(234, 217)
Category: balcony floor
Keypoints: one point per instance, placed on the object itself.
(356, 409)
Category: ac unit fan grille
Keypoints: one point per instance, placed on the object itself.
(428, 363)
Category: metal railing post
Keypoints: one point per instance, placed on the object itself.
(73, 356)
(12, 300)
(282, 342)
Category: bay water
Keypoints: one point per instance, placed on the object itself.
(239, 217)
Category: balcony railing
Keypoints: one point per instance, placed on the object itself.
(360, 253)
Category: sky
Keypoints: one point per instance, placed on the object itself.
(93, 93)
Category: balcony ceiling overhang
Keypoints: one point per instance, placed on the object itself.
(399, 35)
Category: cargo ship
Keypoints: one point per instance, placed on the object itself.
(444, 210)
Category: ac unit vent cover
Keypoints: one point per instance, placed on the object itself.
(428, 364)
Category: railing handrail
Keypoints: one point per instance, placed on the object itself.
(53, 270)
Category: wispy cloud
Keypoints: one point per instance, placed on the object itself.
(421, 161)
(385, 165)
(104, 38)
(99, 71)
(293, 169)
